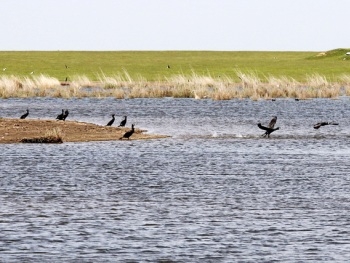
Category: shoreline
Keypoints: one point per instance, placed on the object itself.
(15, 130)
(247, 85)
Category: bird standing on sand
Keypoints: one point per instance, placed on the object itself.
(123, 122)
(270, 129)
(111, 121)
(60, 116)
(65, 115)
(25, 115)
(128, 133)
(324, 123)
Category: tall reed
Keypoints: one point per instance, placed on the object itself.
(345, 82)
(122, 85)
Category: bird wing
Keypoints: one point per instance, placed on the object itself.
(263, 127)
(272, 122)
(319, 124)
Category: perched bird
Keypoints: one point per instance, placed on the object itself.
(25, 115)
(111, 121)
(123, 122)
(270, 129)
(128, 133)
(319, 124)
(60, 116)
(65, 115)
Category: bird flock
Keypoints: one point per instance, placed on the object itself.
(64, 114)
(271, 127)
(126, 135)
(268, 129)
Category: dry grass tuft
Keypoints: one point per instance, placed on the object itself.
(51, 136)
(81, 81)
(55, 132)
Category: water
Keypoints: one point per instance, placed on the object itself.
(216, 191)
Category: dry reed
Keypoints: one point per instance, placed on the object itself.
(196, 86)
(345, 82)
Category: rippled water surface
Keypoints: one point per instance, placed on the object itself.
(215, 191)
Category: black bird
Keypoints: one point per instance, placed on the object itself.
(60, 116)
(319, 124)
(65, 115)
(270, 129)
(128, 133)
(123, 122)
(168, 66)
(25, 115)
(111, 121)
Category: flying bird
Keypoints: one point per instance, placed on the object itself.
(25, 115)
(111, 121)
(319, 124)
(270, 129)
(128, 133)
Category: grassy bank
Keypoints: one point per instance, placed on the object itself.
(218, 75)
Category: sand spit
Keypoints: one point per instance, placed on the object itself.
(17, 130)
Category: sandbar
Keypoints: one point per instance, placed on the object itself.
(15, 130)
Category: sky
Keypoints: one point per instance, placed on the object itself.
(219, 25)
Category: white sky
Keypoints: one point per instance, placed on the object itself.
(291, 25)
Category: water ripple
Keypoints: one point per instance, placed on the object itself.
(216, 191)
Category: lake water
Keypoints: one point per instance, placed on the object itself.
(215, 191)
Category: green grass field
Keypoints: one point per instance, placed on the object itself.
(152, 65)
